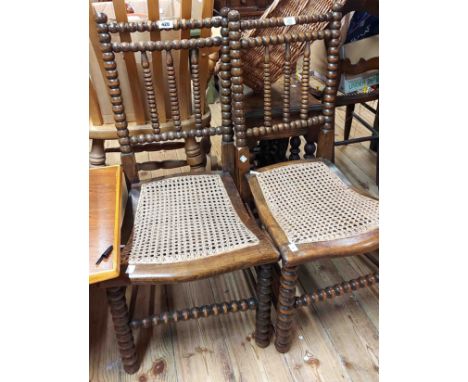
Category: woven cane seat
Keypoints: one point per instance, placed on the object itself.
(310, 210)
(186, 218)
(184, 224)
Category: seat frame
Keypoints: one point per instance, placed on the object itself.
(189, 270)
(305, 252)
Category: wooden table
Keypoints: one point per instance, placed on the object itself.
(105, 218)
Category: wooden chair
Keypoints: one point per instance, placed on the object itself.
(184, 227)
(307, 206)
(151, 68)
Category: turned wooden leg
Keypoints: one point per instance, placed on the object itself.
(123, 333)
(195, 156)
(285, 308)
(295, 150)
(97, 156)
(348, 120)
(263, 315)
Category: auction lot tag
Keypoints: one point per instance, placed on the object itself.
(130, 269)
(165, 24)
(291, 20)
(292, 247)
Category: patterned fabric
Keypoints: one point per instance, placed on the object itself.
(312, 204)
(186, 218)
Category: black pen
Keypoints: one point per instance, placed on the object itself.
(105, 254)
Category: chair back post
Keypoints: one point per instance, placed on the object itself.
(118, 109)
(227, 144)
(326, 139)
(242, 152)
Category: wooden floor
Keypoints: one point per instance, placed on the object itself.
(334, 341)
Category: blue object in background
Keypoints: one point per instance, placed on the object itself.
(362, 25)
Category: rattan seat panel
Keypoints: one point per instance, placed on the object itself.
(312, 204)
(186, 218)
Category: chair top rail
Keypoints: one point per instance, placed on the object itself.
(271, 22)
(160, 25)
(285, 21)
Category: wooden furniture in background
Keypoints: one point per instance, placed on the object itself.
(105, 216)
(351, 100)
(94, 108)
(307, 206)
(152, 86)
(185, 227)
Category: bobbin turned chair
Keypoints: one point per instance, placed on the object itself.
(307, 206)
(183, 227)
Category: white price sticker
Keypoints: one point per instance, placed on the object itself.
(292, 247)
(291, 20)
(130, 269)
(243, 159)
(165, 24)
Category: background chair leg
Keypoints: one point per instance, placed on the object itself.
(97, 156)
(196, 159)
(263, 315)
(285, 308)
(348, 120)
(123, 333)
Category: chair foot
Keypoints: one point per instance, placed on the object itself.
(263, 315)
(97, 156)
(123, 333)
(285, 309)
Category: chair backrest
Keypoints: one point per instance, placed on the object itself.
(325, 121)
(180, 125)
(130, 73)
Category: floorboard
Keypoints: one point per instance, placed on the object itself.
(334, 341)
